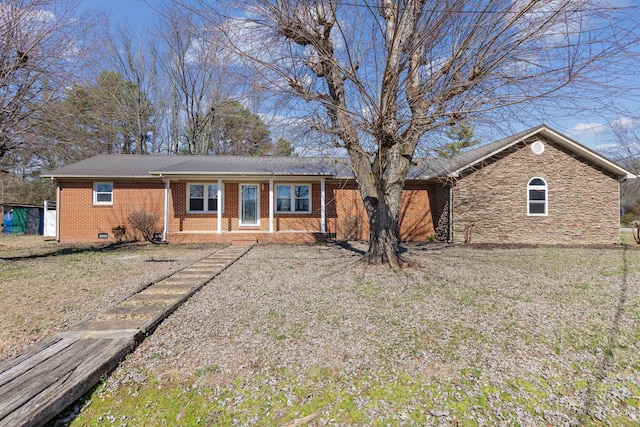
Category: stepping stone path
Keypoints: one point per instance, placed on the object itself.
(40, 383)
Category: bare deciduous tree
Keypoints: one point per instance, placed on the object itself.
(138, 65)
(41, 45)
(199, 84)
(390, 73)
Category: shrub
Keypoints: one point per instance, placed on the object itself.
(145, 223)
(119, 232)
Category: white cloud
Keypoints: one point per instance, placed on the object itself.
(625, 123)
(589, 129)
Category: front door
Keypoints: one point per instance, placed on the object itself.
(249, 204)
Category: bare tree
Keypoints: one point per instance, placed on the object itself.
(138, 65)
(625, 149)
(198, 81)
(388, 74)
(41, 46)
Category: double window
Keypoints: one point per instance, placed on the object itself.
(537, 197)
(202, 198)
(103, 193)
(293, 198)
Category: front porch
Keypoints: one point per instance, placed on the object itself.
(253, 236)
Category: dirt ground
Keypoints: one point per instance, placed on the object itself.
(485, 335)
(46, 287)
(480, 335)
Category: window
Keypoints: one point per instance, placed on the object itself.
(202, 198)
(103, 193)
(537, 197)
(293, 198)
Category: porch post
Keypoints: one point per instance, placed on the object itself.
(323, 216)
(58, 197)
(270, 205)
(220, 201)
(165, 231)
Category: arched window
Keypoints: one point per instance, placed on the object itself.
(537, 197)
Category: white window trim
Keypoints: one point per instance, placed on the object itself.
(546, 196)
(293, 199)
(95, 193)
(205, 205)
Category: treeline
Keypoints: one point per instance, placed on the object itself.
(71, 88)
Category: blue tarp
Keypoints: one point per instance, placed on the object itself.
(8, 222)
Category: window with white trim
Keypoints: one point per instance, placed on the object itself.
(202, 198)
(293, 198)
(537, 197)
(103, 193)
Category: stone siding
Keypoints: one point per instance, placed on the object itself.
(583, 199)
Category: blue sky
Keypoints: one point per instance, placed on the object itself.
(135, 14)
(589, 127)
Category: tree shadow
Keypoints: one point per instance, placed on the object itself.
(111, 247)
(606, 363)
(347, 245)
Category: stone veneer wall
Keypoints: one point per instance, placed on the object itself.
(583, 199)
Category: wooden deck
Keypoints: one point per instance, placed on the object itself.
(40, 383)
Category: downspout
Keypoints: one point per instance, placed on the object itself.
(220, 205)
(450, 213)
(323, 217)
(165, 231)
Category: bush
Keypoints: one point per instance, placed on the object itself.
(145, 223)
(119, 232)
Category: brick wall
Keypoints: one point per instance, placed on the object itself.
(583, 199)
(347, 218)
(81, 221)
(183, 221)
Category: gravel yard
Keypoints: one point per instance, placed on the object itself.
(467, 336)
(46, 287)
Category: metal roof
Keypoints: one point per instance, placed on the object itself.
(154, 166)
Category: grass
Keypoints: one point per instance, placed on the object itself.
(47, 287)
(365, 398)
(467, 337)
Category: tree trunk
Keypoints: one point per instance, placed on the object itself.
(384, 235)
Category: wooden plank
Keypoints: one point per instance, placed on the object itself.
(29, 351)
(63, 392)
(106, 325)
(128, 312)
(33, 359)
(22, 389)
(149, 299)
(168, 288)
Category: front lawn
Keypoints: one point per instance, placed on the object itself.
(469, 336)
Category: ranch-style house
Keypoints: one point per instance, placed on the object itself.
(537, 186)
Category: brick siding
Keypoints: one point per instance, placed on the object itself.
(583, 199)
(347, 218)
(82, 221)
(583, 202)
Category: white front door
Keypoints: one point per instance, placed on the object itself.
(249, 205)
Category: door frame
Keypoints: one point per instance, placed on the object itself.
(242, 223)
